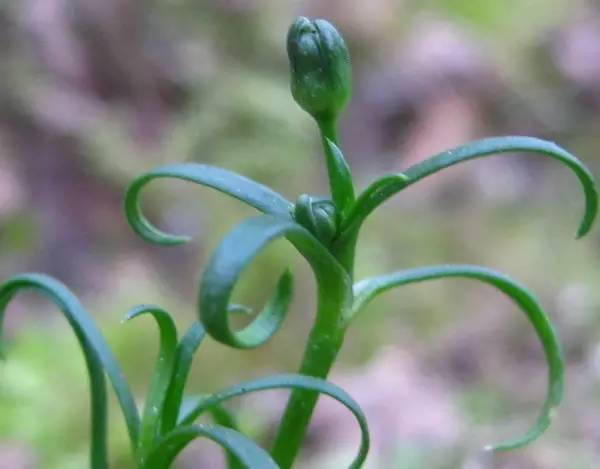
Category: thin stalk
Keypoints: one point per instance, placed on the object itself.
(328, 128)
(343, 249)
(327, 335)
(321, 351)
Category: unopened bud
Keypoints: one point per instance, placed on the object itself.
(321, 74)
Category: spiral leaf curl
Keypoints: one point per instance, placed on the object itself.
(240, 187)
(381, 190)
(236, 251)
(366, 290)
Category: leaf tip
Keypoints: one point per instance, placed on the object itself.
(287, 280)
(402, 177)
(171, 240)
(133, 312)
(127, 318)
(582, 231)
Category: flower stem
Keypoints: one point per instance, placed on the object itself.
(334, 305)
(324, 342)
(320, 353)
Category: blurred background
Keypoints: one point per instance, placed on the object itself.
(94, 93)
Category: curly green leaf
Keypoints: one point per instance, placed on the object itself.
(254, 194)
(96, 352)
(368, 289)
(161, 376)
(384, 188)
(287, 381)
(249, 454)
(236, 251)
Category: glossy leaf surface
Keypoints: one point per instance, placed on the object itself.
(384, 188)
(240, 187)
(368, 289)
(236, 251)
(287, 381)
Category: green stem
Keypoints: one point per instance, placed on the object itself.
(327, 335)
(328, 128)
(343, 249)
(324, 342)
(320, 353)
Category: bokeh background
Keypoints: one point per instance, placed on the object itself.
(92, 93)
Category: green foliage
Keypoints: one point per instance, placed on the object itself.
(325, 233)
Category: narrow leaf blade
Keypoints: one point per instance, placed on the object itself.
(342, 187)
(245, 450)
(287, 381)
(254, 194)
(161, 376)
(95, 349)
(183, 361)
(368, 289)
(384, 188)
(236, 251)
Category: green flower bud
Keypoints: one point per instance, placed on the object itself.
(317, 215)
(321, 78)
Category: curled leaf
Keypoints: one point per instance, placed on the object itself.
(381, 190)
(287, 381)
(236, 251)
(368, 289)
(254, 194)
(97, 355)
